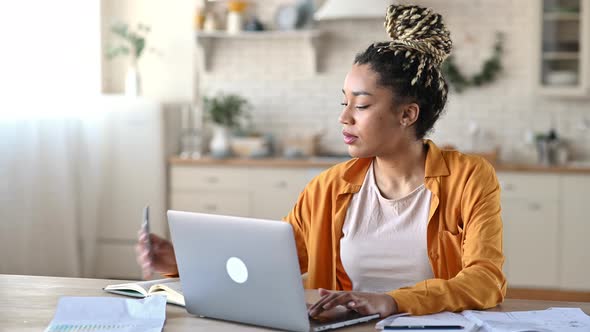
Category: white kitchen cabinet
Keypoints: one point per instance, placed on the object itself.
(575, 233)
(277, 191)
(207, 189)
(135, 176)
(210, 178)
(249, 191)
(530, 213)
(563, 61)
(116, 260)
(228, 203)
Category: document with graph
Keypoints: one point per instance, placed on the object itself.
(109, 314)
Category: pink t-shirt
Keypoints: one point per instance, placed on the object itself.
(383, 246)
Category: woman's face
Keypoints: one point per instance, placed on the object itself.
(372, 123)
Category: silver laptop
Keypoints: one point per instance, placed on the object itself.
(245, 270)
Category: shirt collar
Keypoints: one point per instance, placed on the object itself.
(435, 166)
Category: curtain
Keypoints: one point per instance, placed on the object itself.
(51, 170)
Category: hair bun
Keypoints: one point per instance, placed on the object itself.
(416, 28)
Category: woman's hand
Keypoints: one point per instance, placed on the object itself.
(363, 303)
(159, 259)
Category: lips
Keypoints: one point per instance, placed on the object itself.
(349, 138)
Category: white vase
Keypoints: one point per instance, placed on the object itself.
(132, 80)
(234, 22)
(220, 144)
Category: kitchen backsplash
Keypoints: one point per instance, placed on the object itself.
(287, 99)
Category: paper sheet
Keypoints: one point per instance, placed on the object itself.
(552, 319)
(549, 320)
(109, 314)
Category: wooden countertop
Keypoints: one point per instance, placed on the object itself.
(29, 303)
(259, 162)
(507, 167)
(324, 162)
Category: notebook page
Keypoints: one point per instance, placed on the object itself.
(142, 284)
(173, 291)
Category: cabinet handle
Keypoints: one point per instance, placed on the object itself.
(210, 207)
(212, 179)
(282, 184)
(534, 206)
(506, 186)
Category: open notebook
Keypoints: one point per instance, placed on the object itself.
(170, 287)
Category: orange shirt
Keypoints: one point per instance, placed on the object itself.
(464, 233)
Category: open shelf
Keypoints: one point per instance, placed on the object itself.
(259, 34)
(561, 55)
(206, 42)
(561, 16)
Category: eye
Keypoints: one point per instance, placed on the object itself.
(362, 107)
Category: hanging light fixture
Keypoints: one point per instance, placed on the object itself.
(347, 9)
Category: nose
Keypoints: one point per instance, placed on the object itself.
(345, 116)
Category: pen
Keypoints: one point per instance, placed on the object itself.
(145, 226)
(424, 327)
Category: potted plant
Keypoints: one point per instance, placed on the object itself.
(134, 41)
(226, 112)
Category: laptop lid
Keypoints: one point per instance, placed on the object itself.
(239, 269)
(245, 270)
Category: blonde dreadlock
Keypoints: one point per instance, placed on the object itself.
(411, 61)
(423, 36)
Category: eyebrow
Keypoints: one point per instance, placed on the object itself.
(359, 93)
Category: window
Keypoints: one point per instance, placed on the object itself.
(50, 62)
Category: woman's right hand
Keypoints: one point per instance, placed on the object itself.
(160, 258)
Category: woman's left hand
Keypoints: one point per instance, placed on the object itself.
(363, 303)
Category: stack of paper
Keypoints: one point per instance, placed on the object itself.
(549, 320)
(109, 314)
(552, 319)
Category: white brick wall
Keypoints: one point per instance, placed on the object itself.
(287, 99)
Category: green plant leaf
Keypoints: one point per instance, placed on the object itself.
(135, 39)
(143, 27)
(227, 110)
(113, 52)
(120, 29)
(139, 45)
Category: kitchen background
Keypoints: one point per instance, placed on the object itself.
(289, 99)
(79, 160)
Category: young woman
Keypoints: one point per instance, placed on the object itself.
(403, 226)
